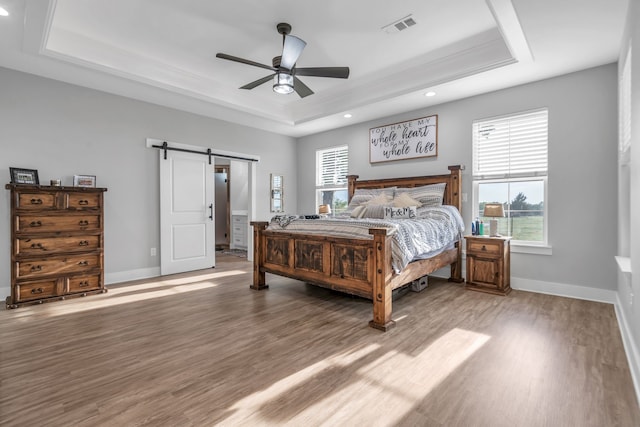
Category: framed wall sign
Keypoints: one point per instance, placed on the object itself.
(404, 140)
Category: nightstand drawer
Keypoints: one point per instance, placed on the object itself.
(483, 248)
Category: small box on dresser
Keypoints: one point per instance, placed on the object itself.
(489, 264)
(57, 243)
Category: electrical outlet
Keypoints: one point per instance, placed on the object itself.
(464, 197)
(153, 251)
(631, 299)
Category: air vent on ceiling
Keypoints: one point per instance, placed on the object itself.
(399, 25)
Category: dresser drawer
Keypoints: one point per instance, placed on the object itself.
(37, 290)
(84, 283)
(83, 201)
(239, 219)
(483, 248)
(36, 201)
(48, 223)
(238, 229)
(60, 265)
(52, 245)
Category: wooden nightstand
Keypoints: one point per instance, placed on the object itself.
(489, 264)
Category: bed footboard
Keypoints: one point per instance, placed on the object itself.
(355, 266)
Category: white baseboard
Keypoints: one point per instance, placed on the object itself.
(564, 290)
(126, 276)
(630, 347)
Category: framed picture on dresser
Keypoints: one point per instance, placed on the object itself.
(24, 176)
(84, 181)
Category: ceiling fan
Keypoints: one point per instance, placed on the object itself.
(285, 78)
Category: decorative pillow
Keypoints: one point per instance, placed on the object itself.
(391, 212)
(380, 199)
(358, 211)
(374, 211)
(428, 195)
(404, 200)
(362, 196)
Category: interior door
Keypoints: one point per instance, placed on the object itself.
(187, 231)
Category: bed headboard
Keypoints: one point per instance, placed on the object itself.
(452, 192)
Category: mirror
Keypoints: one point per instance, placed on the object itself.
(277, 193)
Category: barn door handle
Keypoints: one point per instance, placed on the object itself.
(211, 209)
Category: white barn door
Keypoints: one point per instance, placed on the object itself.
(187, 234)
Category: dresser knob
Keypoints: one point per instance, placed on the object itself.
(37, 246)
(83, 263)
(83, 202)
(83, 284)
(83, 222)
(35, 224)
(83, 243)
(36, 201)
(35, 268)
(37, 291)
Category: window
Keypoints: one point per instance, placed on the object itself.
(510, 167)
(332, 167)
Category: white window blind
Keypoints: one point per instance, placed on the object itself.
(333, 166)
(625, 104)
(511, 147)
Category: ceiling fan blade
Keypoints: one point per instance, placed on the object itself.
(291, 51)
(258, 82)
(301, 88)
(335, 72)
(244, 61)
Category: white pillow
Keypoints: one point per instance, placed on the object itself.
(391, 212)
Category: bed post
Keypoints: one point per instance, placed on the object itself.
(454, 194)
(382, 291)
(259, 254)
(351, 180)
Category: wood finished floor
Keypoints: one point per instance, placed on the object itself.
(202, 349)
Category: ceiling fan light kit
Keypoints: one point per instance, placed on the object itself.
(284, 67)
(283, 83)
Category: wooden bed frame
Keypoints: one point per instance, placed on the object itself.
(355, 266)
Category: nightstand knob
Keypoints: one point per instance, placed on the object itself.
(484, 248)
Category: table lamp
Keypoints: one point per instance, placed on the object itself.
(493, 211)
(324, 209)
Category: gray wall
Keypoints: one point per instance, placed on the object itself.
(62, 130)
(582, 167)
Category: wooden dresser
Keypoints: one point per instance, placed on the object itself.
(57, 243)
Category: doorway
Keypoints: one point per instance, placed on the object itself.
(222, 211)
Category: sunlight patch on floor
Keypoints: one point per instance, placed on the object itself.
(395, 381)
(248, 407)
(126, 294)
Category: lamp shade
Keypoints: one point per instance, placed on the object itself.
(324, 209)
(493, 210)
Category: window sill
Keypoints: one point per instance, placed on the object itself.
(624, 264)
(530, 249)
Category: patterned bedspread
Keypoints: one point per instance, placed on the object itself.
(434, 230)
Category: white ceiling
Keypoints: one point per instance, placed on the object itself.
(163, 51)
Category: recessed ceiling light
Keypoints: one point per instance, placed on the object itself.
(430, 93)
(347, 116)
(3, 11)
